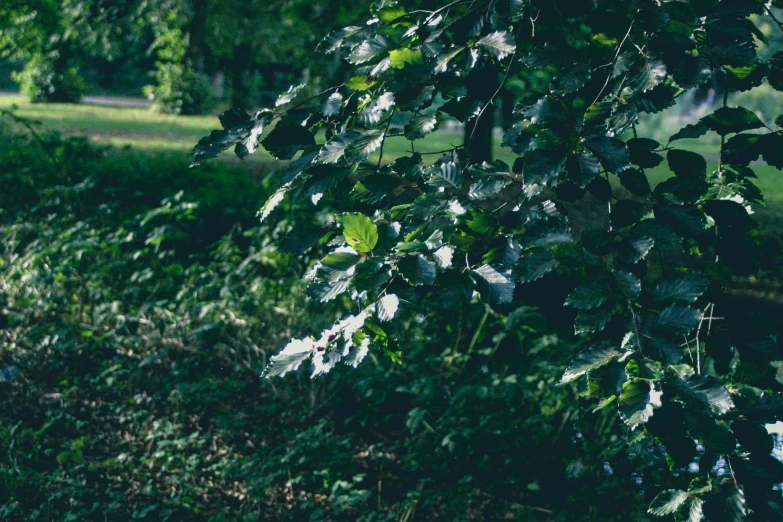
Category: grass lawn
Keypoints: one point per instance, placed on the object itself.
(148, 131)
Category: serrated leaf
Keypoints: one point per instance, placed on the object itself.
(707, 391)
(371, 115)
(360, 83)
(638, 401)
(369, 49)
(685, 289)
(272, 203)
(500, 289)
(300, 241)
(447, 175)
(359, 232)
(360, 149)
(728, 120)
(332, 150)
(667, 502)
(590, 294)
(333, 105)
(611, 152)
(487, 188)
(238, 128)
(635, 181)
(678, 319)
(386, 307)
(340, 260)
(628, 285)
(647, 75)
(541, 167)
(593, 320)
(571, 78)
(334, 40)
(286, 139)
(289, 95)
(420, 126)
(534, 265)
(398, 58)
(695, 130)
(589, 360)
(500, 44)
(417, 270)
(735, 509)
(290, 358)
(640, 247)
(686, 163)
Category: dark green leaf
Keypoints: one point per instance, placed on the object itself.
(286, 139)
(589, 295)
(499, 288)
(685, 289)
(679, 319)
(727, 120)
(695, 130)
(612, 153)
(340, 260)
(687, 164)
(417, 270)
(369, 49)
(445, 175)
(628, 285)
(635, 181)
(534, 265)
(360, 149)
(707, 391)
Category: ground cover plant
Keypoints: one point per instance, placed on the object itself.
(640, 270)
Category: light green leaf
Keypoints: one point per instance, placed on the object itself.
(386, 307)
(360, 83)
(340, 260)
(359, 231)
(400, 57)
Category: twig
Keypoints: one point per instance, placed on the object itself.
(11, 449)
(385, 132)
(614, 60)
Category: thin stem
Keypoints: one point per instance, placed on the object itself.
(385, 132)
(614, 60)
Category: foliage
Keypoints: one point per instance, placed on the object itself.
(640, 268)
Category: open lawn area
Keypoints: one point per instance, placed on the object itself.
(146, 130)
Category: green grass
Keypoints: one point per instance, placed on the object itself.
(145, 130)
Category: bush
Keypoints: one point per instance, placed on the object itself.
(43, 81)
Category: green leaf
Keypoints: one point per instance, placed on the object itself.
(369, 49)
(707, 391)
(389, 14)
(359, 231)
(534, 265)
(611, 152)
(360, 83)
(499, 44)
(638, 401)
(686, 163)
(647, 74)
(487, 188)
(679, 319)
(420, 126)
(340, 260)
(360, 149)
(500, 289)
(386, 307)
(628, 285)
(238, 128)
(635, 181)
(447, 175)
(271, 203)
(589, 360)
(571, 78)
(594, 320)
(333, 105)
(695, 130)
(727, 120)
(667, 502)
(400, 57)
(541, 167)
(300, 241)
(286, 139)
(290, 358)
(589, 295)
(684, 289)
(289, 95)
(417, 270)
